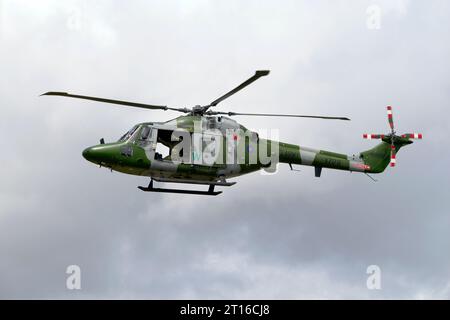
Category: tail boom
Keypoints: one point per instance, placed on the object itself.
(374, 160)
(293, 154)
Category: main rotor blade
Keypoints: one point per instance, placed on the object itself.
(258, 74)
(275, 115)
(124, 103)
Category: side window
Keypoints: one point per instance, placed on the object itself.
(145, 133)
(145, 136)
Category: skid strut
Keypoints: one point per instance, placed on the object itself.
(210, 191)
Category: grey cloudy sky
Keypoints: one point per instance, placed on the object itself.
(288, 235)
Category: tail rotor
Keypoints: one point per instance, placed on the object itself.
(393, 139)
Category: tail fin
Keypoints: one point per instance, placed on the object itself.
(379, 157)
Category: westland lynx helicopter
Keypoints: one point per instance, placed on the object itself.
(205, 147)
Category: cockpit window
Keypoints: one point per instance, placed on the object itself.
(127, 135)
(144, 137)
(145, 132)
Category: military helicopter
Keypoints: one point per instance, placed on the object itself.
(206, 147)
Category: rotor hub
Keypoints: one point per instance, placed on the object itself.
(198, 110)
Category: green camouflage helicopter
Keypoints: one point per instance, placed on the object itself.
(205, 147)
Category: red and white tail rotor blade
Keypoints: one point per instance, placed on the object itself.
(393, 156)
(412, 135)
(371, 136)
(390, 117)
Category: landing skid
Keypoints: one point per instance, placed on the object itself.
(210, 191)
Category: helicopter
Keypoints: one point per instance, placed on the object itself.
(207, 147)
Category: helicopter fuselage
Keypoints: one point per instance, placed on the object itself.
(236, 151)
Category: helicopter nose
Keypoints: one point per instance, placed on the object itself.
(87, 154)
(102, 154)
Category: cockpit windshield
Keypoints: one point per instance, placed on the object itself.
(127, 135)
